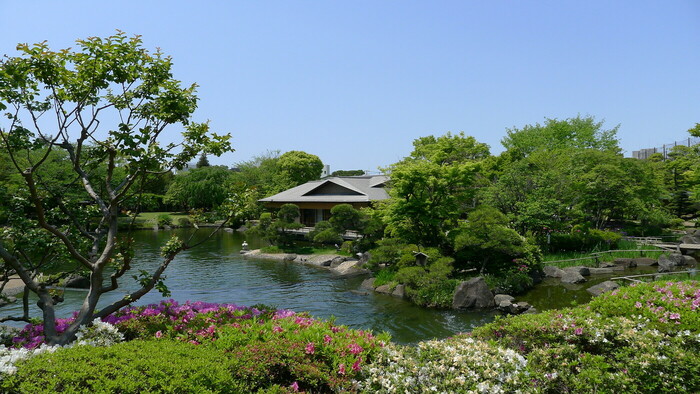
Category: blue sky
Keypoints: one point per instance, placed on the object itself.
(355, 82)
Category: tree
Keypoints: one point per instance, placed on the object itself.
(348, 173)
(275, 228)
(578, 132)
(487, 241)
(297, 167)
(111, 101)
(203, 161)
(432, 188)
(205, 188)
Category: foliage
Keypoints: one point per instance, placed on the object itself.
(344, 217)
(202, 187)
(275, 229)
(348, 173)
(485, 242)
(163, 220)
(256, 347)
(579, 132)
(110, 101)
(514, 281)
(131, 367)
(642, 338)
(203, 161)
(297, 167)
(459, 364)
(325, 232)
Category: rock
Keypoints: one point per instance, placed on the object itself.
(668, 262)
(337, 261)
(363, 258)
(600, 271)
(583, 271)
(289, 257)
(349, 268)
(384, 289)
(689, 260)
(606, 264)
(531, 310)
(690, 239)
(77, 282)
(552, 271)
(523, 306)
(645, 261)
(504, 304)
(473, 293)
(602, 288)
(368, 284)
(625, 262)
(502, 297)
(399, 291)
(572, 277)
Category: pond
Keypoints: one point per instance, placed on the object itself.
(216, 272)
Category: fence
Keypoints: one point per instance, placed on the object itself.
(664, 149)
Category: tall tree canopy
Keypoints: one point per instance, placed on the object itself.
(579, 132)
(103, 109)
(297, 167)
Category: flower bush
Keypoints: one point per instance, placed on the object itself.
(643, 338)
(458, 364)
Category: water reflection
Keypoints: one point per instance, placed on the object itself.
(216, 272)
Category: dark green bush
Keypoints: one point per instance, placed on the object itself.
(130, 367)
(164, 220)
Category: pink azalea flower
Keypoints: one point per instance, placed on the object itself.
(159, 334)
(356, 366)
(327, 339)
(294, 386)
(341, 369)
(310, 348)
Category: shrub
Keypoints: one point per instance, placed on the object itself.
(453, 365)
(643, 338)
(184, 222)
(131, 367)
(164, 220)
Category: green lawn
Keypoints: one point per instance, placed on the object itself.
(148, 219)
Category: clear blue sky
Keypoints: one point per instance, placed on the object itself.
(355, 82)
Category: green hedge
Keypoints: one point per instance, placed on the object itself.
(130, 367)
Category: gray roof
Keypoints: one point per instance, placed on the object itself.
(338, 189)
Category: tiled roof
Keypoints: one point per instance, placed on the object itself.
(345, 189)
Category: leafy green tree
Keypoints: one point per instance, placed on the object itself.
(579, 133)
(203, 161)
(449, 149)
(205, 187)
(297, 167)
(487, 243)
(344, 217)
(348, 173)
(325, 232)
(275, 229)
(111, 100)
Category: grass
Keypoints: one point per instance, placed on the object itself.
(602, 253)
(304, 249)
(148, 219)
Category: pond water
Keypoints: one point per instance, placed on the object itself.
(216, 272)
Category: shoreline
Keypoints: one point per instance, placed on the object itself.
(341, 266)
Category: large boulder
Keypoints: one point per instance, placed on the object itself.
(668, 262)
(77, 282)
(349, 268)
(583, 271)
(690, 239)
(337, 261)
(572, 277)
(602, 288)
(473, 293)
(289, 257)
(399, 291)
(368, 284)
(645, 261)
(625, 262)
(498, 298)
(552, 271)
(689, 260)
(384, 289)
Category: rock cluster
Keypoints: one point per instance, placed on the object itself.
(475, 294)
(398, 291)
